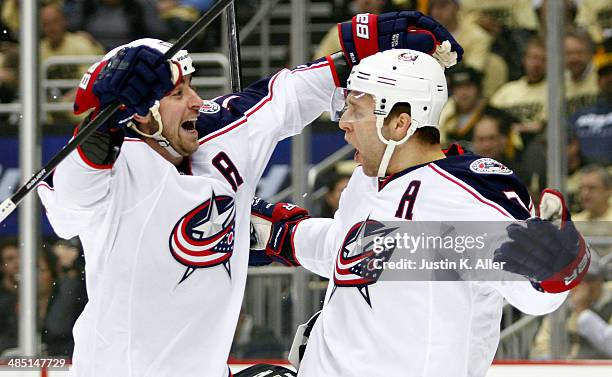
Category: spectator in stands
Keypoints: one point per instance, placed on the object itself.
(593, 125)
(596, 17)
(47, 275)
(581, 82)
(526, 98)
(595, 198)
(464, 107)
(9, 272)
(177, 15)
(533, 167)
(569, 6)
(591, 304)
(113, 22)
(595, 195)
(10, 15)
(331, 201)
(476, 43)
(68, 297)
(510, 23)
(9, 64)
(57, 41)
(491, 137)
(515, 15)
(330, 42)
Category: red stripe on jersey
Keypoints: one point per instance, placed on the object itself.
(314, 66)
(86, 160)
(465, 187)
(332, 67)
(265, 100)
(44, 184)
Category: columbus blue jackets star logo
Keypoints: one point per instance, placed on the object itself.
(356, 261)
(204, 237)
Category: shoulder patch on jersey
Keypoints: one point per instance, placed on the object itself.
(209, 107)
(487, 165)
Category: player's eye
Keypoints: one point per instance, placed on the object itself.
(343, 110)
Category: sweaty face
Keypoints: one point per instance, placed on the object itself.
(179, 111)
(359, 125)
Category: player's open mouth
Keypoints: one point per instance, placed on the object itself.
(189, 125)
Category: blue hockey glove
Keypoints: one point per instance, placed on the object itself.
(272, 227)
(368, 34)
(555, 258)
(135, 77)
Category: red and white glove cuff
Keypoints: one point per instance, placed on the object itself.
(572, 274)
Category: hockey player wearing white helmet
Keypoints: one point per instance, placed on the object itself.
(160, 195)
(370, 326)
(402, 90)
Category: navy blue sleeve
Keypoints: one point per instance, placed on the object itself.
(229, 109)
(493, 180)
(226, 110)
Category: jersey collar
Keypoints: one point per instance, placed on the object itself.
(453, 150)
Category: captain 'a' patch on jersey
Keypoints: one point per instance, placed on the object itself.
(356, 260)
(204, 236)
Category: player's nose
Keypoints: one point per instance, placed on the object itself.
(194, 100)
(345, 126)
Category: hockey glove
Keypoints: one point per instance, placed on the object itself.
(272, 227)
(135, 77)
(368, 34)
(555, 258)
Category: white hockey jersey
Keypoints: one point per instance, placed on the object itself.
(166, 248)
(413, 328)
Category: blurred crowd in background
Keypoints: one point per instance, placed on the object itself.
(497, 108)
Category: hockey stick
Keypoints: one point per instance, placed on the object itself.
(9, 205)
(234, 48)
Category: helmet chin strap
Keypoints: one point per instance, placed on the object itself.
(391, 144)
(157, 136)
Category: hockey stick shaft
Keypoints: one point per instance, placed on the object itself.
(9, 205)
(234, 48)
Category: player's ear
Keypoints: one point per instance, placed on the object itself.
(402, 123)
(146, 123)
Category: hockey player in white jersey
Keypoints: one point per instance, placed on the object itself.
(160, 196)
(370, 327)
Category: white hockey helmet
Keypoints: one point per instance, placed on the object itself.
(398, 76)
(86, 99)
(182, 61)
